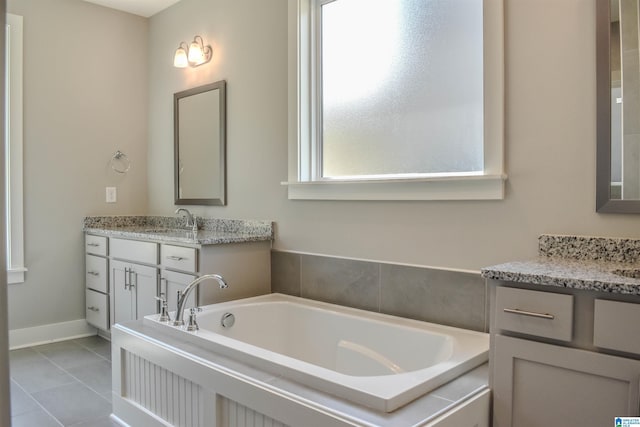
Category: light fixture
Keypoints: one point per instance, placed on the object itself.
(193, 54)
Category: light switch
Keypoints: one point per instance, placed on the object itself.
(111, 194)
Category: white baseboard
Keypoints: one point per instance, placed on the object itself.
(44, 334)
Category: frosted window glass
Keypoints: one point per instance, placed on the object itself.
(401, 87)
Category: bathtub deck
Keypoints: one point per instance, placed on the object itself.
(151, 343)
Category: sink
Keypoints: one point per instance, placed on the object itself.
(632, 273)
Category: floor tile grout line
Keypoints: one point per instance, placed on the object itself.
(38, 404)
(78, 380)
(73, 376)
(59, 366)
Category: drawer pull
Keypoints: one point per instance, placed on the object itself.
(175, 258)
(529, 313)
(93, 273)
(92, 308)
(95, 245)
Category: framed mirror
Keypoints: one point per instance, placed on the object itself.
(618, 106)
(200, 145)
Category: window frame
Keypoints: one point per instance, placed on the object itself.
(304, 115)
(14, 150)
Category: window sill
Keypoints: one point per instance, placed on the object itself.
(16, 275)
(482, 187)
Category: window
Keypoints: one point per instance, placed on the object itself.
(13, 150)
(396, 99)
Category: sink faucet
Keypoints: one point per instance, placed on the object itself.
(191, 220)
(183, 295)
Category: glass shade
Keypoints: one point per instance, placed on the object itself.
(196, 55)
(180, 58)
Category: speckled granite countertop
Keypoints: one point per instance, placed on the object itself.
(601, 264)
(171, 229)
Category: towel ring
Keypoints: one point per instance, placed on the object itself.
(120, 163)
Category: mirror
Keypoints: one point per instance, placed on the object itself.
(618, 106)
(199, 145)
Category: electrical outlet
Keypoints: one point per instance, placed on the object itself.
(111, 195)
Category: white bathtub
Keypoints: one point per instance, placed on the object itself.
(377, 360)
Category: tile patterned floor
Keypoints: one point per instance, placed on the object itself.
(66, 383)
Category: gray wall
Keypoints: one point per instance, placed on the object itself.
(85, 96)
(77, 113)
(550, 141)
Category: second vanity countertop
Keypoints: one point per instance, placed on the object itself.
(171, 230)
(588, 263)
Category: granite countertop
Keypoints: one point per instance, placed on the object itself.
(171, 229)
(590, 263)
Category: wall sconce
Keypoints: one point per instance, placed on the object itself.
(192, 55)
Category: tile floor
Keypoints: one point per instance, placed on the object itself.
(66, 383)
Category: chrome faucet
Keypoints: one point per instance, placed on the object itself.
(183, 295)
(191, 220)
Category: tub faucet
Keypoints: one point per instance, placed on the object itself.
(191, 220)
(183, 295)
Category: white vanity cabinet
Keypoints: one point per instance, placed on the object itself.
(547, 368)
(124, 276)
(97, 281)
(246, 267)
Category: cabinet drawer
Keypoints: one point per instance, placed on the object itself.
(96, 272)
(133, 250)
(95, 244)
(543, 314)
(179, 258)
(615, 325)
(97, 309)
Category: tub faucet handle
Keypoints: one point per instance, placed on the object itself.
(192, 326)
(164, 309)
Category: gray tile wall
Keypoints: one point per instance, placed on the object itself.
(441, 296)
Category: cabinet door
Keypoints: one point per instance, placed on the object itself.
(172, 282)
(144, 284)
(123, 307)
(542, 385)
(134, 290)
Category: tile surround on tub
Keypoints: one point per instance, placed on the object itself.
(340, 281)
(447, 297)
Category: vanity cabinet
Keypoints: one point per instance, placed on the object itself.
(548, 366)
(124, 276)
(97, 281)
